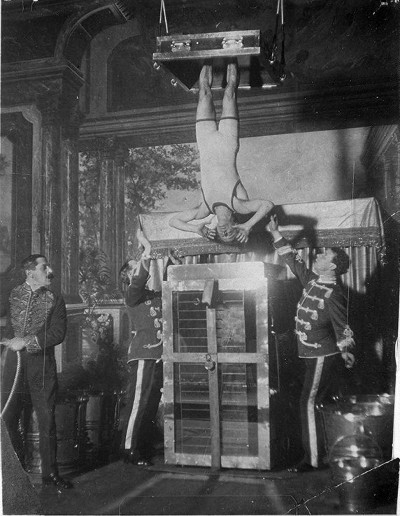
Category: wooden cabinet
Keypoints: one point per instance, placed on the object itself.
(216, 366)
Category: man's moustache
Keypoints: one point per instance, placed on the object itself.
(50, 276)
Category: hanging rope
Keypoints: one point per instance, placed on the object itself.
(346, 349)
(14, 385)
(274, 47)
(283, 36)
(273, 57)
(352, 207)
(163, 14)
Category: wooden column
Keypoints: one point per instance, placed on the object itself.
(112, 207)
(69, 167)
(60, 189)
(51, 88)
(51, 233)
(119, 202)
(107, 167)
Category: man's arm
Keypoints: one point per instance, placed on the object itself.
(54, 331)
(16, 343)
(142, 239)
(344, 336)
(138, 279)
(9, 339)
(137, 286)
(259, 207)
(182, 221)
(290, 255)
(273, 228)
(51, 334)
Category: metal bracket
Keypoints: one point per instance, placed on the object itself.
(232, 43)
(179, 46)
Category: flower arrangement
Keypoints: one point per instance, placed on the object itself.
(102, 362)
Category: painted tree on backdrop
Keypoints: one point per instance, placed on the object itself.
(150, 173)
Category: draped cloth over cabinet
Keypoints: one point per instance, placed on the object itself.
(355, 225)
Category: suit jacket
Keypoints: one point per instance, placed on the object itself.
(39, 315)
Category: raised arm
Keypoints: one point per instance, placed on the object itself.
(183, 219)
(273, 228)
(138, 272)
(260, 208)
(289, 254)
(142, 239)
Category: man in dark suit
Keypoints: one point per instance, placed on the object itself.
(37, 322)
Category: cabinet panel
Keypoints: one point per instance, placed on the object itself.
(216, 389)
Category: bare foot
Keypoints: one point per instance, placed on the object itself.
(206, 75)
(232, 74)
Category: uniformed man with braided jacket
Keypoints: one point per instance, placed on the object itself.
(143, 394)
(37, 322)
(323, 336)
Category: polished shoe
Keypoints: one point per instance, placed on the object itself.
(143, 462)
(128, 456)
(132, 457)
(54, 480)
(302, 467)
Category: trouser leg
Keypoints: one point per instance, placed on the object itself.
(317, 382)
(137, 404)
(148, 433)
(43, 389)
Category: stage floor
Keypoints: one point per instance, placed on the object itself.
(121, 489)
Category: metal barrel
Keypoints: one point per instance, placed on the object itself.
(358, 436)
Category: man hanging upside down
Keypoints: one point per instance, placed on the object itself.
(222, 190)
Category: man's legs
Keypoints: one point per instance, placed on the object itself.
(42, 378)
(136, 409)
(148, 433)
(205, 105)
(43, 396)
(229, 123)
(229, 101)
(317, 382)
(129, 413)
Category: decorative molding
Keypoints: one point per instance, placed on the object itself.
(263, 113)
(70, 27)
(378, 141)
(112, 148)
(354, 237)
(48, 84)
(12, 10)
(43, 71)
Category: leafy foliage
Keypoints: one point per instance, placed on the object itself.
(89, 200)
(95, 283)
(3, 164)
(149, 173)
